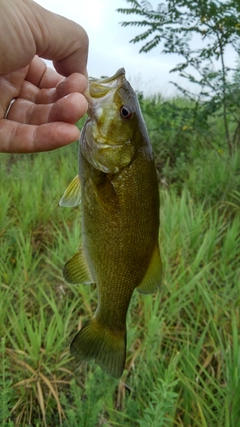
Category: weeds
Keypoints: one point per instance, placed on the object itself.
(6, 392)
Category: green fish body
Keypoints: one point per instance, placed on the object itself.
(120, 218)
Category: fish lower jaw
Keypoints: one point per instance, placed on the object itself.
(104, 144)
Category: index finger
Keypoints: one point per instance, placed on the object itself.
(42, 76)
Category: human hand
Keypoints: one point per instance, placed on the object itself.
(47, 105)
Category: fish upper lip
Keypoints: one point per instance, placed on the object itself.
(109, 79)
(99, 88)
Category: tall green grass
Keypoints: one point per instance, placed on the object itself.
(183, 355)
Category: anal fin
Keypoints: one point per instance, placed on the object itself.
(153, 276)
(76, 270)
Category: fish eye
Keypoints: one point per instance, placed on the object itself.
(125, 112)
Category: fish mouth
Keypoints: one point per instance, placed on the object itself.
(105, 80)
(99, 88)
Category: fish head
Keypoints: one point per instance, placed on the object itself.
(115, 125)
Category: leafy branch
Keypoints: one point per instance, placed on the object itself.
(200, 32)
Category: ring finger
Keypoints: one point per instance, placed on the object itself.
(67, 109)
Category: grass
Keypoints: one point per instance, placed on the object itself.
(183, 356)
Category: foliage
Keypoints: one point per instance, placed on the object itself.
(162, 400)
(201, 33)
(184, 153)
(183, 364)
(6, 393)
(88, 405)
(172, 134)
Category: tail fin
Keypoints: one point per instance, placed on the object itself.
(107, 348)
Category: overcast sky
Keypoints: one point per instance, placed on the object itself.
(110, 48)
(109, 44)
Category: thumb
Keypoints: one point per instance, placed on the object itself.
(27, 29)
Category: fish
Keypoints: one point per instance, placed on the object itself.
(117, 187)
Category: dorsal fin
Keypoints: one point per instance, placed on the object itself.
(153, 276)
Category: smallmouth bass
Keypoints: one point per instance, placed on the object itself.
(118, 188)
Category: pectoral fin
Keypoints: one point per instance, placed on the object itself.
(76, 270)
(152, 279)
(72, 194)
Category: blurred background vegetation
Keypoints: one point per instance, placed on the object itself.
(183, 355)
